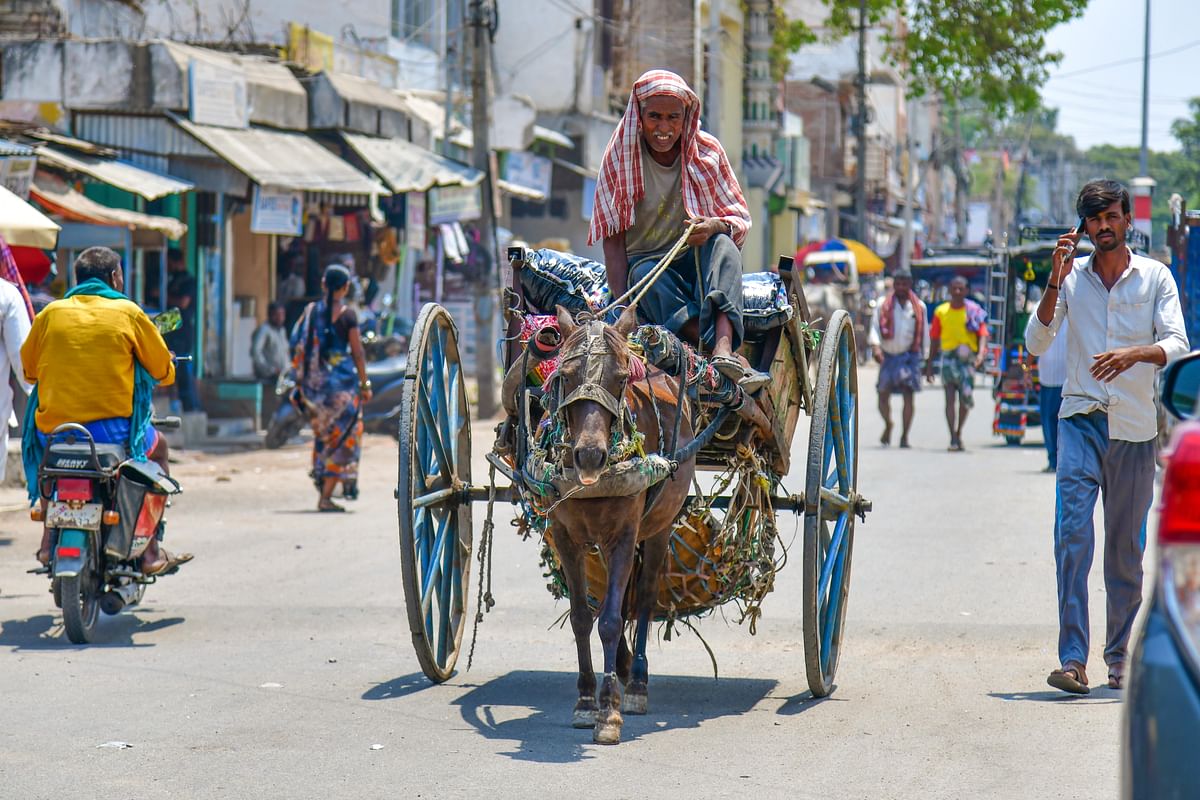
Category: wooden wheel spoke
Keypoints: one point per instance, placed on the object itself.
(434, 567)
(832, 554)
(434, 437)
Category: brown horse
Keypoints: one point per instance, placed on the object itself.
(595, 381)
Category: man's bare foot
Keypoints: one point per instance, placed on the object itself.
(43, 551)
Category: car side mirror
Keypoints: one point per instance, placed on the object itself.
(1181, 386)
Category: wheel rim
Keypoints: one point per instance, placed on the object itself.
(435, 523)
(832, 479)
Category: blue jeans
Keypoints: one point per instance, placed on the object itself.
(1050, 402)
(185, 383)
(1122, 473)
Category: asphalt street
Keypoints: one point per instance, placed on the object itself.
(279, 663)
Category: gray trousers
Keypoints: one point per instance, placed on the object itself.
(1122, 473)
(697, 284)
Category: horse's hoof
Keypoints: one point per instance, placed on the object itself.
(583, 718)
(607, 733)
(635, 703)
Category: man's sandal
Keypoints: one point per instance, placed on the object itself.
(1071, 678)
(1116, 678)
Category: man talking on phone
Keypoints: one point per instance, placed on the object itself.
(1125, 324)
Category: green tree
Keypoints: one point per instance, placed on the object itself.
(992, 50)
(1187, 132)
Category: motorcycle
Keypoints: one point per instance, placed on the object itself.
(103, 508)
(379, 415)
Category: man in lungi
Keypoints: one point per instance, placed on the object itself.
(659, 174)
(899, 342)
(960, 330)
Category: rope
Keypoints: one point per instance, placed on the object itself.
(642, 286)
(485, 600)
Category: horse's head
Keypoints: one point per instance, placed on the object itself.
(593, 372)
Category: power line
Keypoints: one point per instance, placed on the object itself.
(1124, 61)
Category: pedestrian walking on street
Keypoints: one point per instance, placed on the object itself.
(333, 386)
(1052, 372)
(959, 332)
(1125, 324)
(899, 342)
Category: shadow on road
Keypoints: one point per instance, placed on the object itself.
(533, 709)
(44, 632)
(799, 703)
(398, 687)
(5, 541)
(1098, 696)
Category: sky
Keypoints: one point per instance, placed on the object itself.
(1099, 102)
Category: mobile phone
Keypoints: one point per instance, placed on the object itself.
(1082, 226)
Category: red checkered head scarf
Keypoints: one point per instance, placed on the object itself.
(710, 189)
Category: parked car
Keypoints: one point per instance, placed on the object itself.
(1162, 709)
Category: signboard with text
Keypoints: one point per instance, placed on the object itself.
(16, 174)
(416, 221)
(526, 169)
(277, 211)
(454, 204)
(217, 95)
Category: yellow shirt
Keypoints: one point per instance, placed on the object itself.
(952, 324)
(81, 351)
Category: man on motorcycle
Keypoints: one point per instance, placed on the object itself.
(83, 355)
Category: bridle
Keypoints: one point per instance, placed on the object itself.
(593, 347)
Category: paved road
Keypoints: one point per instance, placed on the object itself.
(274, 663)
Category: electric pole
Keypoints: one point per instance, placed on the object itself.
(860, 179)
(482, 18)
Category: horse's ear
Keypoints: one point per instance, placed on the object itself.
(628, 321)
(566, 325)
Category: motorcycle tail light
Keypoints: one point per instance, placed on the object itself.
(111, 518)
(69, 552)
(1179, 536)
(74, 489)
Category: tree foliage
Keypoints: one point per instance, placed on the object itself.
(993, 50)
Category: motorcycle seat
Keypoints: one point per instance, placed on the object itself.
(79, 455)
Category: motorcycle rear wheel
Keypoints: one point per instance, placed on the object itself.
(81, 604)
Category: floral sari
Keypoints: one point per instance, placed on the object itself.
(328, 382)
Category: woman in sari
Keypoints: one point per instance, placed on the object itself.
(332, 384)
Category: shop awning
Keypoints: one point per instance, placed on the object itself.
(283, 160)
(519, 191)
(544, 134)
(406, 167)
(121, 174)
(58, 198)
(23, 225)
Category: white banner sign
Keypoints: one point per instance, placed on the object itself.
(217, 95)
(415, 220)
(277, 211)
(526, 169)
(16, 174)
(454, 204)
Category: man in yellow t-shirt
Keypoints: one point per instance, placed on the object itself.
(81, 354)
(959, 332)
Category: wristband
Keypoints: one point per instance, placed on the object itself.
(1052, 286)
(364, 385)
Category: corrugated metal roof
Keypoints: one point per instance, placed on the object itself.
(283, 160)
(11, 148)
(517, 190)
(120, 174)
(361, 90)
(156, 136)
(58, 198)
(552, 136)
(406, 167)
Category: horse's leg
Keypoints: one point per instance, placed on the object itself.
(612, 629)
(654, 551)
(584, 715)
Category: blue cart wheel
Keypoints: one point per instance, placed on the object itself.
(830, 491)
(434, 513)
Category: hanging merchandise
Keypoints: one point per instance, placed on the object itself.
(351, 225)
(337, 229)
(454, 246)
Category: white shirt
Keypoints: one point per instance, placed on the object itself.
(14, 327)
(1142, 308)
(904, 328)
(1052, 365)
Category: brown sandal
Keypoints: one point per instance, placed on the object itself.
(1116, 678)
(1071, 678)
